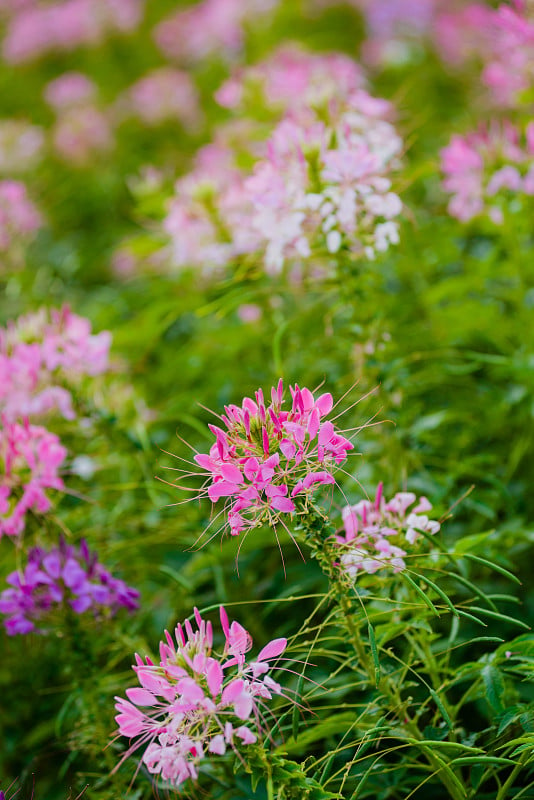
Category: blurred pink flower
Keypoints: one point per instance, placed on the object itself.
(209, 28)
(163, 94)
(30, 458)
(80, 133)
(483, 168)
(41, 354)
(58, 26)
(19, 218)
(69, 89)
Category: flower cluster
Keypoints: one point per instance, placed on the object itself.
(81, 128)
(40, 351)
(291, 78)
(19, 218)
(269, 456)
(160, 95)
(485, 168)
(54, 579)
(30, 458)
(194, 702)
(39, 29)
(376, 532)
(509, 62)
(327, 187)
(209, 27)
(21, 146)
(320, 183)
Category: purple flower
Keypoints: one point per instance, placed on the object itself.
(54, 578)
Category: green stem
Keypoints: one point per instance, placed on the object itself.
(318, 534)
(503, 791)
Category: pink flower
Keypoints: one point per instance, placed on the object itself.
(376, 532)
(80, 133)
(64, 26)
(270, 460)
(39, 353)
(291, 78)
(30, 458)
(19, 218)
(195, 703)
(70, 89)
(163, 94)
(210, 27)
(483, 169)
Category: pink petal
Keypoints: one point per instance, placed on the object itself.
(283, 504)
(214, 678)
(231, 473)
(221, 489)
(272, 650)
(141, 697)
(324, 404)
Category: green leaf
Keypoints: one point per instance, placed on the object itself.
(494, 686)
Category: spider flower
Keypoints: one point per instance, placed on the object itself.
(30, 458)
(211, 27)
(41, 351)
(376, 532)
(271, 457)
(317, 186)
(19, 218)
(486, 168)
(196, 703)
(63, 576)
(292, 77)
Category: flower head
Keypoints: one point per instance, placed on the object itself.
(195, 703)
(19, 218)
(377, 531)
(484, 169)
(63, 576)
(41, 352)
(270, 457)
(30, 458)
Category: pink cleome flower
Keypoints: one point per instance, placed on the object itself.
(194, 703)
(19, 218)
(42, 351)
(485, 168)
(268, 457)
(377, 531)
(210, 27)
(62, 576)
(63, 26)
(292, 77)
(163, 94)
(30, 458)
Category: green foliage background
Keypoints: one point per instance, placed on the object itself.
(435, 341)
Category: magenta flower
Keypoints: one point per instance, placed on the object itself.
(53, 579)
(194, 703)
(269, 459)
(30, 458)
(376, 532)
